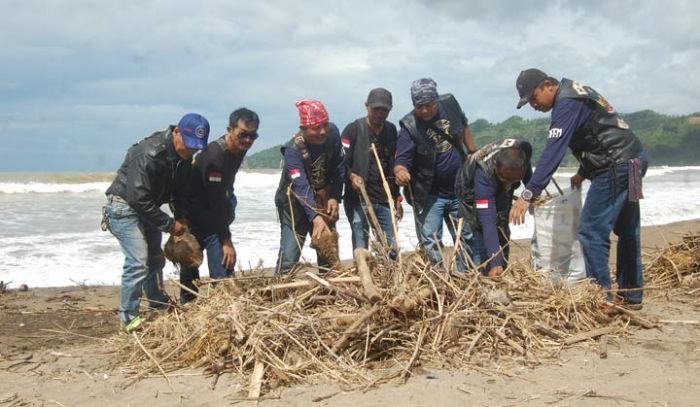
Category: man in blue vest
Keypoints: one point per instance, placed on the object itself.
(362, 168)
(311, 185)
(610, 156)
(433, 142)
(485, 186)
(212, 194)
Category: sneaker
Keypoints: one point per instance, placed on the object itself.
(135, 324)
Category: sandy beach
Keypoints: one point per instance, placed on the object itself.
(57, 348)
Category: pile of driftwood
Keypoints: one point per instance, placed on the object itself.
(377, 320)
(676, 266)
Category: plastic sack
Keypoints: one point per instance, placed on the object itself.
(556, 251)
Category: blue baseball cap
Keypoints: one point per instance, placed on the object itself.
(194, 129)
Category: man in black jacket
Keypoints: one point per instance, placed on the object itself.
(155, 171)
(211, 196)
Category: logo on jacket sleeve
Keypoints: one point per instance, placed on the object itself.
(482, 204)
(215, 176)
(555, 132)
(294, 173)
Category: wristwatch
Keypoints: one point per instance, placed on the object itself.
(526, 195)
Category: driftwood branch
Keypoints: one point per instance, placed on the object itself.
(588, 335)
(365, 263)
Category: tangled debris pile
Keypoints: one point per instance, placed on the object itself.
(676, 266)
(371, 323)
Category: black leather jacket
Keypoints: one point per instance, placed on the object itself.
(153, 174)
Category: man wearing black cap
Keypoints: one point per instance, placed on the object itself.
(433, 142)
(610, 156)
(212, 199)
(357, 139)
(155, 171)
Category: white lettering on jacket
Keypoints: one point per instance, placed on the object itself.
(555, 133)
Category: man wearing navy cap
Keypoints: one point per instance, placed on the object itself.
(610, 156)
(155, 171)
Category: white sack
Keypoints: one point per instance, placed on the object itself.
(556, 251)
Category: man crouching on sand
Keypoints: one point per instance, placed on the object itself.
(155, 171)
(311, 185)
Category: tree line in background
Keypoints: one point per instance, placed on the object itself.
(669, 140)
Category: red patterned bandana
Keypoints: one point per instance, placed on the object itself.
(312, 113)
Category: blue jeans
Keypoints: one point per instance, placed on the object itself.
(429, 230)
(143, 259)
(355, 212)
(215, 255)
(291, 243)
(607, 209)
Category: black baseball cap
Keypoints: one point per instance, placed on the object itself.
(527, 81)
(379, 97)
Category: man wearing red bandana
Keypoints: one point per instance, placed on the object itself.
(311, 185)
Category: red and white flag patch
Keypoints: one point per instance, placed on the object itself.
(346, 142)
(482, 204)
(294, 173)
(215, 176)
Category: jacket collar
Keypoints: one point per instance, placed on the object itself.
(172, 155)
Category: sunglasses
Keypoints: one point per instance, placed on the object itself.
(250, 135)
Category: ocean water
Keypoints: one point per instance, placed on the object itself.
(50, 234)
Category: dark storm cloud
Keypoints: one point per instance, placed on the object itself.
(84, 79)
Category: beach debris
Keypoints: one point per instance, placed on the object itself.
(359, 331)
(381, 319)
(679, 264)
(327, 246)
(498, 296)
(184, 250)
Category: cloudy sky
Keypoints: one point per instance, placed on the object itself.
(82, 80)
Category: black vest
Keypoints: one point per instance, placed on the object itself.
(362, 152)
(317, 180)
(484, 158)
(605, 139)
(424, 160)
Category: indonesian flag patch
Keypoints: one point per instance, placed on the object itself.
(215, 177)
(346, 142)
(482, 204)
(294, 173)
